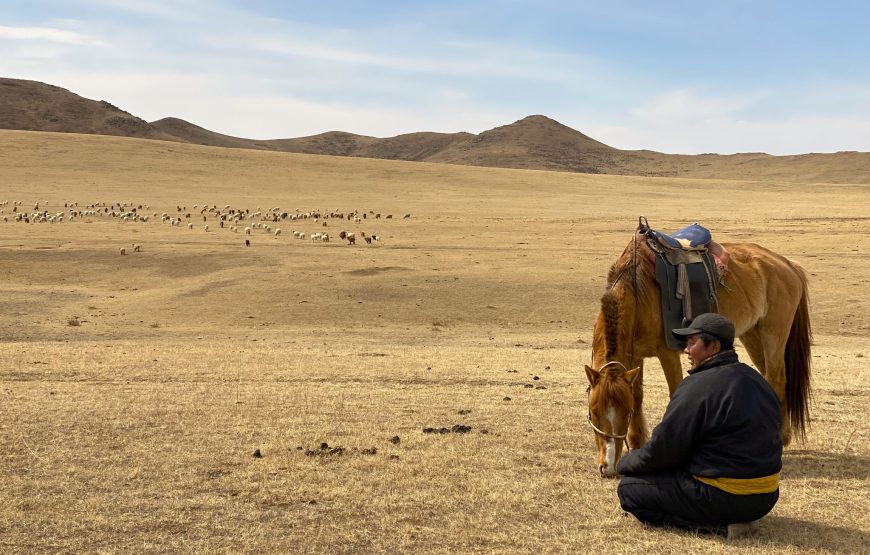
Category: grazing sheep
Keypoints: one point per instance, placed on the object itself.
(277, 232)
(137, 248)
(351, 239)
(325, 238)
(190, 225)
(205, 228)
(247, 231)
(123, 251)
(342, 235)
(368, 240)
(247, 242)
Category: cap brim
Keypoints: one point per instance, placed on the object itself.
(683, 332)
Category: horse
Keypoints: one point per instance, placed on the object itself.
(763, 293)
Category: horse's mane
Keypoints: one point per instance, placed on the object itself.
(622, 279)
(621, 273)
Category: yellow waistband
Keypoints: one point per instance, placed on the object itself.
(743, 486)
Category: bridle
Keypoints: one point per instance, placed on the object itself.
(598, 430)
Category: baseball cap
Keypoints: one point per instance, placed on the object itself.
(710, 322)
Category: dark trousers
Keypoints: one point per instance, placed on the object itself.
(677, 499)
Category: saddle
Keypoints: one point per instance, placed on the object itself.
(689, 265)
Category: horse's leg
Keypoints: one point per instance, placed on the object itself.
(752, 343)
(637, 432)
(773, 342)
(671, 366)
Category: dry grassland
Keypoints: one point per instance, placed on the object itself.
(134, 430)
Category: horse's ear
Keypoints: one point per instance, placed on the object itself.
(632, 375)
(592, 374)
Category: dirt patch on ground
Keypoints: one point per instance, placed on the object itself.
(375, 270)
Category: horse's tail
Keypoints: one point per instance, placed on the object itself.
(797, 363)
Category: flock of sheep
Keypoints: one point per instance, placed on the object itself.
(232, 219)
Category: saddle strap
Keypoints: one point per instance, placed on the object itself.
(683, 293)
(712, 279)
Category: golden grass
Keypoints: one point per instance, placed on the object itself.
(134, 431)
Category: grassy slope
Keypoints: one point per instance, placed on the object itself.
(134, 430)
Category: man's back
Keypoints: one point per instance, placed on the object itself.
(740, 414)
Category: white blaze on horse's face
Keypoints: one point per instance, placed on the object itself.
(609, 468)
(613, 447)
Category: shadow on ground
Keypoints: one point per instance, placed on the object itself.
(822, 464)
(806, 535)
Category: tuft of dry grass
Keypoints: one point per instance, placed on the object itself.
(124, 435)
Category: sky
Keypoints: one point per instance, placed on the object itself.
(782, 77)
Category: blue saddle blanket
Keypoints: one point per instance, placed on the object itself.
(694, 237)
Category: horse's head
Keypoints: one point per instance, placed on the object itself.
(611, 406)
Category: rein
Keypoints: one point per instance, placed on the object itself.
(642, 225)
(613, 283)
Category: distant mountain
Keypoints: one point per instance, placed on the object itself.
(35, 106)
(197, 135)
(535, 142)
(332, 143)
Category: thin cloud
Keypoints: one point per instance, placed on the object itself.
(795, 135)
(685, 104)
(450, 58)
(49, 34)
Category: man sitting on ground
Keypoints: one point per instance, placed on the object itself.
(714, 460)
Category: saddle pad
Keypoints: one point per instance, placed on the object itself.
(702, 297)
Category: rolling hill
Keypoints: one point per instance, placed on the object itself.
(34, 106)
(535, 142)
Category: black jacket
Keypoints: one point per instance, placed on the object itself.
(723, 421)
